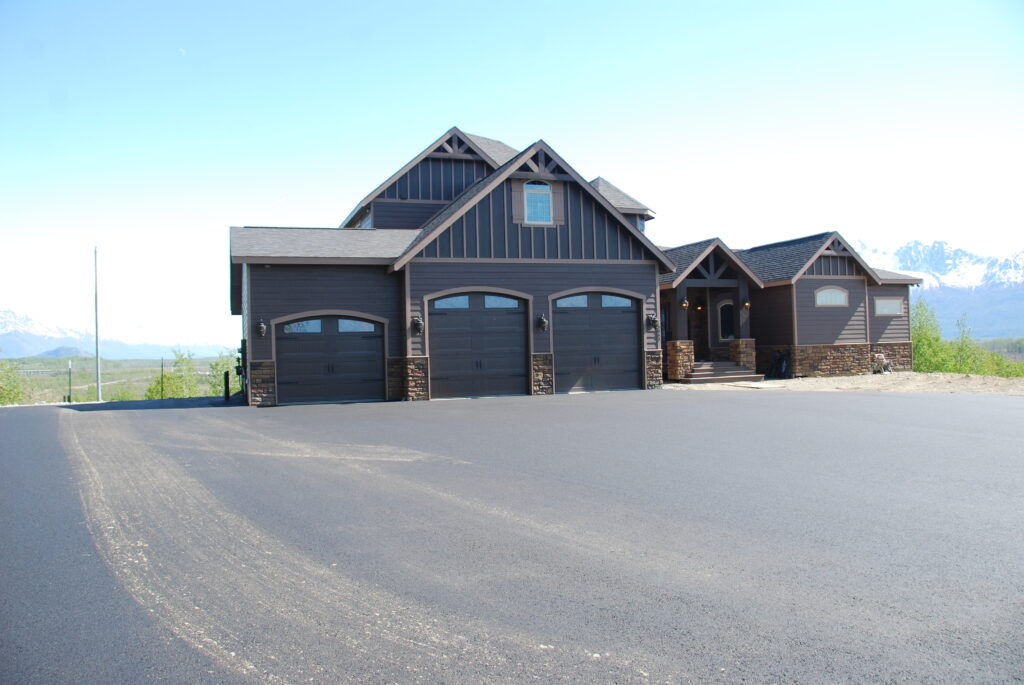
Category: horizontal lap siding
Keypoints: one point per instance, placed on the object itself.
(771, 315)
(890, 328)
(831, 325)
(283, 290)
(488, 231)
(537, 280)
(398, 214)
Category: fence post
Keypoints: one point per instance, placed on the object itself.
(227, 386)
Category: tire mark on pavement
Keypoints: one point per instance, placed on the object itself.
(263, 609)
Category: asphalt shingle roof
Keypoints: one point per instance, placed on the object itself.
(497, 150)
(319, 243)
(782, 261)
(683, 257)
(620, 200)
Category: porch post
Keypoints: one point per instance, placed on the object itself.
(744, 312)
(680, 318)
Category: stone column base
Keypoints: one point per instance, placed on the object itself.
(652, 369)
(679, 359)
(417, 378)
(742, 351)
(542, 377)
(262, 384)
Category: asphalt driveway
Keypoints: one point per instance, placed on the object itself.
(612, 537)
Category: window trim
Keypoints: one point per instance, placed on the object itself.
(548, 193)
(718, 311)
(891, 298)
(836, 288)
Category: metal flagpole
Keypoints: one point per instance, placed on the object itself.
(96, 309)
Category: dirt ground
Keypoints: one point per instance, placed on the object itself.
(904, 381)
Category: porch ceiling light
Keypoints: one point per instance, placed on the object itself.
(418, 326)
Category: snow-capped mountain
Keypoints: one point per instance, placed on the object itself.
(21, 336)
(989, 290)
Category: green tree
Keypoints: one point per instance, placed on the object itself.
(11, 389)
(225, 361)
(930, 352)
(967, 355)
(181, 380)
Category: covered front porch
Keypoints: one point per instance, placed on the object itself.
(706, 313)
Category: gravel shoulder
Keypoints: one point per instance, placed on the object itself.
(904, 381)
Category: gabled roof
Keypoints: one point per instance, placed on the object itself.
(261, 244)
(490, 150)
(620, 200)
(687, 257)
(476, 192)
(785, 262)
(896, 278)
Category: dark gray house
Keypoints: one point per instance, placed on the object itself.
(813, 300)
(474, 270)
(477, 269)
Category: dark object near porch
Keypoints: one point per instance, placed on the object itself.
(780, 366)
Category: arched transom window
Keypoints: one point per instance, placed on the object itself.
(831, 296)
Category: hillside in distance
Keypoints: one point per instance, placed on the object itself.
(21, 336)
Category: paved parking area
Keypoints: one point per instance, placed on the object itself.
(613, 537)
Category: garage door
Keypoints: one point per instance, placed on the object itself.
(598, 342)
(478, 346)
(330, 359)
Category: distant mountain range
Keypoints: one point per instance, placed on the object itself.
(988, 290)
(21, 336)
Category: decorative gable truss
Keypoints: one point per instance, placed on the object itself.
(838, 259)
(438, 174)
(489, 222)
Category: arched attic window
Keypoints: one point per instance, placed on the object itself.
(831, 296)
(537, 202)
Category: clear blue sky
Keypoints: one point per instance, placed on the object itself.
(149, 128)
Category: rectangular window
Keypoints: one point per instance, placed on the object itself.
(537, 196)
(355, 326)
(454, 302)
(572, 301)
(615, 301)
(307, 326)
(888, 306)
(499, 302)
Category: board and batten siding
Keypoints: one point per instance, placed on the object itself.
(246, 331)
(584, 230)
(436, 179)
(536, 280)
(831, 325)
(771, 315)
(403, 214)
(890, 328)
(282, 290)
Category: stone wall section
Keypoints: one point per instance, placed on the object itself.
(417, 378)
(262, 384)
(831, 360)
(679, 359)
(652, 369)
(901, 354)
(542, 377)
(743, 352)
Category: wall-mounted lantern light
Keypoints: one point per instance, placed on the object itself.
(418, 326)
(699, 307)
(746, 304)
(261, 328)
(652, 322)
(543, 323)
(685, 304)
